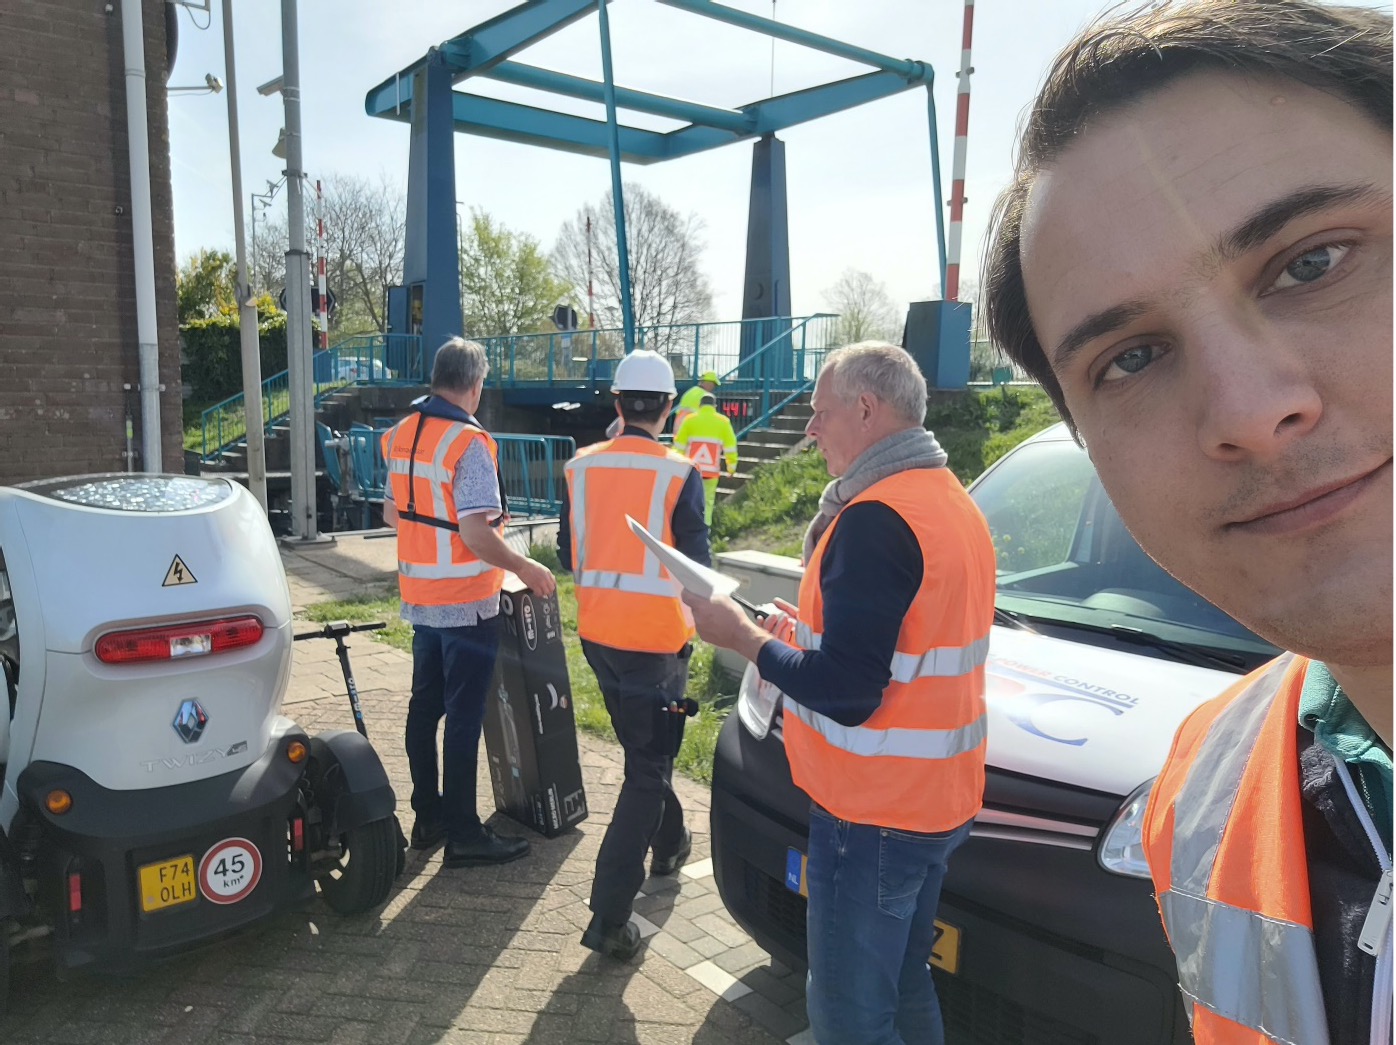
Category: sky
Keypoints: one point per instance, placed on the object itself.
(859, 183)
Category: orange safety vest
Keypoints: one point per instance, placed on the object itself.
(434, 566)
(1224, 837)
(917, 764)
(706, 455)
(625, 598)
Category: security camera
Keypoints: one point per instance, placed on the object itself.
(272, 86)
(214, 84)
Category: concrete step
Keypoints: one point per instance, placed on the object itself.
(748, 451)
(786, 423)
(777, 436)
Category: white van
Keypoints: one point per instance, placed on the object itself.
(1049, 932)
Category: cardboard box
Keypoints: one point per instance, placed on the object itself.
(530, 726)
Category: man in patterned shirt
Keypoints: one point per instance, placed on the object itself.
(450, 595)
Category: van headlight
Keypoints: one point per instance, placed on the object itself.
(757, 701)
(1122, 844)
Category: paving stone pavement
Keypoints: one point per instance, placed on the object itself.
(458, 957)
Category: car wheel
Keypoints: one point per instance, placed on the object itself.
(363, 876)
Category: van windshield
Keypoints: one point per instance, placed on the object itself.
(1066, 563)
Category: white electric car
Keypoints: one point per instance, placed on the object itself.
(1049, 931)
(154, 797)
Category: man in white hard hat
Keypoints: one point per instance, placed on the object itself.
(635, 630)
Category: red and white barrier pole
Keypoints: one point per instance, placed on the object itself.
(957, 187)
(324, 297)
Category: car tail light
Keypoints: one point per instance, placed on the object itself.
(297, 835)
(74, 893)
(177, 641)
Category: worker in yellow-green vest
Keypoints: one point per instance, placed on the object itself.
(706, 438)
(690, 400)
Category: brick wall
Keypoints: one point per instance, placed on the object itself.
(67, 289)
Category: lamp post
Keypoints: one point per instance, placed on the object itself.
(304, 523)
(247, 310)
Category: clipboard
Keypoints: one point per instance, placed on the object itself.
(701, 580)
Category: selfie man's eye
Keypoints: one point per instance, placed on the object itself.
(1130, 361)
(1311, 266)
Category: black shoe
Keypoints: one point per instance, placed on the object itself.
(663, 865)
(615, 941)
(427, 834)
(486, 850)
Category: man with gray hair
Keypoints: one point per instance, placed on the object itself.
(882, 667)
(445, 503)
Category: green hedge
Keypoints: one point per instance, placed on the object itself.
(213, 355)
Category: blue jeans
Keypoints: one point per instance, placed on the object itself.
(451, 672)
(873, 894)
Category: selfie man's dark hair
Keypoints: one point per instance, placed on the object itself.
(1345, 51)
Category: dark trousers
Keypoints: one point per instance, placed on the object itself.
(637, 686)
(451, 671)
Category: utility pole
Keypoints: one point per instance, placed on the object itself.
(247, 310)
(298, 346)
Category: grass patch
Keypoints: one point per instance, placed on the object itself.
(977, 428)
(771, 511)
(708, 684)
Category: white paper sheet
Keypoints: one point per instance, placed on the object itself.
(695, 577)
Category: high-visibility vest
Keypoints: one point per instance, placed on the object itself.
(434, 566)
(1224, 838)
(625, 598)
(707, 437)
(917, 764)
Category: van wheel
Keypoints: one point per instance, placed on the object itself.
(363, 877)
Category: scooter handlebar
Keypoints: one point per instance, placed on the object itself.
(340, 627)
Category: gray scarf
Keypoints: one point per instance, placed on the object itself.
(899, 452)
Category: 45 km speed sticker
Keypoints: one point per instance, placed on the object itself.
(230, 871)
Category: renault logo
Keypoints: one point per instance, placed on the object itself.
(189, 721)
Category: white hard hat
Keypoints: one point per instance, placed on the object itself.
(644, 371)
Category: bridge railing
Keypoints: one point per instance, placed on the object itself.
(531, 467)
(692, 348)
(782, 364)
(363, 359)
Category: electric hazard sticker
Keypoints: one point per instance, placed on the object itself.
(230, 871)
(178, 574)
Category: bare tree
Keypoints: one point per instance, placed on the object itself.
(667, 283)
(866, 310)
(365, 233)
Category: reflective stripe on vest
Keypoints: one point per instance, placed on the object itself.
(898, 743)
(437, 571)
(1252, 969)
(943, 662)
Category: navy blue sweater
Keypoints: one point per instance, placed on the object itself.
(688, 521)
(870, 573)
